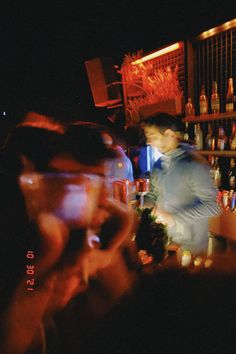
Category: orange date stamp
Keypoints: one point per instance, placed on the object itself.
(30, 271)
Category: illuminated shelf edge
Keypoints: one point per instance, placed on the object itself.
(206, 117)
(218, 152)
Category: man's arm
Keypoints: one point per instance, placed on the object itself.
(150, 199)
(205, 204)
(206, 193)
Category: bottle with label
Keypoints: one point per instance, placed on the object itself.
(232, 174)
(203, 101)
(198, 136)
(210, 138)
(216, 172)
(230, 96)
(221, 139)
(215, 99)
(211, 161)
(232, 138)
(186, 134)
(225, 200)
(189, 108)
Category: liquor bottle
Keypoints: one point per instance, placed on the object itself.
(186, 134)
(233, 202)
(221, 139)
(203, 102)
(189, 108)
(231, 192)
(211, 161)
(217, 173)
(232, 138)
(210, 139)
(198, 136)
(225, 200)
(232, 174)
(215, 99)
(230, 96)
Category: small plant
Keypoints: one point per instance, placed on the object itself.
(151, 236)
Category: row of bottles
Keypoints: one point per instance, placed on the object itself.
(223, 172)
(224, 177)
(209, 136)
(213, 104)
(227, 200)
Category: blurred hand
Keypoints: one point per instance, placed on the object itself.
(55, 286)
(122, 221)
(163, 217)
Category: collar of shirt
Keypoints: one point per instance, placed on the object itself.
(169, 156)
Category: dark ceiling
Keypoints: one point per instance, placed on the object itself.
(43, 48)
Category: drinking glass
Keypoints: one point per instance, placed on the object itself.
(72, 197)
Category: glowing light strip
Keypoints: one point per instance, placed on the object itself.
(213, 31)
(158, 53)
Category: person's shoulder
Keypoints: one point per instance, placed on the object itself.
(197, 158)
(191, 154)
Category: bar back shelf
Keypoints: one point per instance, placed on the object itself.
(210, 117)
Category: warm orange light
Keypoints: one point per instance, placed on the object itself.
(158, 53)
(224, 27)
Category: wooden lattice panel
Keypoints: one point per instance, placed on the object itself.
(216, 61)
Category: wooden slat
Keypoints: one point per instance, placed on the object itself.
(209, 117)
(224, 225)
(226, 153)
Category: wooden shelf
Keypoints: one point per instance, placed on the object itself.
(224, 225)
(226, 153)
(207, 117)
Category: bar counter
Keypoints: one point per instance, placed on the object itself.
(224, 225)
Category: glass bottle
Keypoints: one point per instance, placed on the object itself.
(232, 174)
(203, 102)
(186, 134)
(189, 108)
(221, 139)
(198, 136)
(233, 202)
(210, 139)
(217, 173)
(215, 99)
(211, 161)
(230, 96)
(232, 138)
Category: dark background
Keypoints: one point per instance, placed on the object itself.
(44, 47)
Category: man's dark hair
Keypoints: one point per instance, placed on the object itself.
(163, 121)
(85, 143)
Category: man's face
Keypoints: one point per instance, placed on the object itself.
(163, 141)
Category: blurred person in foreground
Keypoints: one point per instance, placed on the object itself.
(182, 193)
(67, 253)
